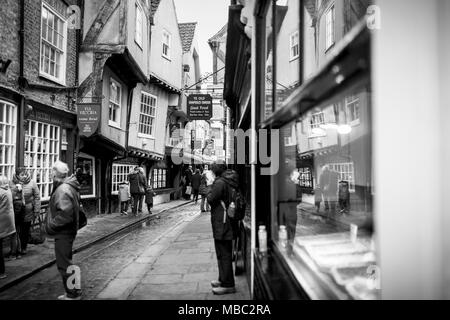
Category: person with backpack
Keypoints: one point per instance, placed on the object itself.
(227, 209)
(63, 222)
(27, 205)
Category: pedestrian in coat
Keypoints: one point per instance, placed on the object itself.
(7, 227)
(329, 185)
(138, 185)
(196, 181)
(187, 182)
(224, 229)
(124, 197)
(27, 205)
(62, 223)
(203, 191)
(149, 194)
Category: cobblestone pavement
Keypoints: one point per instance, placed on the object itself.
(171, 258)
(98, 227)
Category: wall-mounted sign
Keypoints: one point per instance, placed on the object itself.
(88, 118)
(199, 107)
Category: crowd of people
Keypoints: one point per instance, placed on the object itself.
(134, 191)
(20, 204)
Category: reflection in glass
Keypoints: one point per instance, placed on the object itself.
(325, 187)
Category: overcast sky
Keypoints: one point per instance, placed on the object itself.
(211, 16)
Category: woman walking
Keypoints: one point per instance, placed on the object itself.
(7, 227)
(26, 203)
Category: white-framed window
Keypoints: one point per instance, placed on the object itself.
(159, 178)
(8, 120)
(166, 44)
(330, 31)
(346, 173)
(42, 150)
(139, 25)
(120, 174)
(115, 103)
(53, 49)
(294, 46)
(352, 109)
(147, 118)
(317, 120)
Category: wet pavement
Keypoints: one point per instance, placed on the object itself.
(170, 258)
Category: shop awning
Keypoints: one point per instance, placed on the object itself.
(134, 152)
(99, 145)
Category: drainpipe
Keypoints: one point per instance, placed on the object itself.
(22, 83)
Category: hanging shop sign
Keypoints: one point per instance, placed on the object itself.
(88, 117)
(199, 107)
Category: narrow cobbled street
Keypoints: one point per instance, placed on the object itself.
(168, 258)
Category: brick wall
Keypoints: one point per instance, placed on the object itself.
(9, 42)
(32, 54)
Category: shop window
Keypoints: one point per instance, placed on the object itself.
(352, 108)
(7, 138)
(53, 45)
(345, 173)
(294, 46)
(120, 174)
(318, 225)
(305, 178)
(115, 102)
(330, 28)
(42, 150)
(139, 25)
(166, 44)
(159, 178)
(85, 170)
(147, 119)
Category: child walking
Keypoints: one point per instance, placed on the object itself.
(124, 197)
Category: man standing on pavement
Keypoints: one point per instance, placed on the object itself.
(224, 229)
(138, 186)
(62, 223)
(196, 180)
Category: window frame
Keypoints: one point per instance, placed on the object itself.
(115, 182)
(115, 124)
(63, 67)
(292, 45)
(56, 154)
(140, 10)
(348, 104)
(12, 126)
(159, 181)
(330, 42)
(169, 45)
(155, 117)
(352, 182)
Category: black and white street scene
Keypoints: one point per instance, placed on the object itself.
(226, 150)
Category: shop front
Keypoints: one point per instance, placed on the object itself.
(49, 136)
(318, 207)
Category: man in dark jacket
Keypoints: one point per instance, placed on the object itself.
(138, 185)
(196, 180)
(224, 229)
(62, 224)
